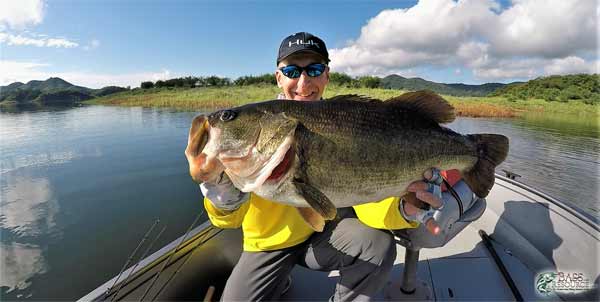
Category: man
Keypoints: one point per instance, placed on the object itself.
(276, 237)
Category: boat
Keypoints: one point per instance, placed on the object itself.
(524, 245)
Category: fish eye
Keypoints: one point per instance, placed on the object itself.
(227, 115)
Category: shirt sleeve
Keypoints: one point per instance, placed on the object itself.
(225, 219)
(383, 215)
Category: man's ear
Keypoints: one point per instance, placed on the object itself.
(278, 78)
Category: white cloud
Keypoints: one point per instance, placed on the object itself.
(571, 65)
(21, 13)
(36, 40)
(13, 71)
(527, 39)
(551, 29)
(98, 80)
(18, 15)
(509, 69)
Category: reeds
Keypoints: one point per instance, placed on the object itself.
(211, 98)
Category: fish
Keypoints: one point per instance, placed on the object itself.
(340, 152)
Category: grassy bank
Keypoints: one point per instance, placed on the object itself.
(210, 98)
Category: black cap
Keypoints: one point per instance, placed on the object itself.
(302, 41)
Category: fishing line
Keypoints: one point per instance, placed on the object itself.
(171, 256)
(136, 265)
(131, 257)
(189, 256)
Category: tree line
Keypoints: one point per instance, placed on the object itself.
(335, 78)
(584, 87)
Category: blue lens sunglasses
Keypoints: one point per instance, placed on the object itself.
(294, 71)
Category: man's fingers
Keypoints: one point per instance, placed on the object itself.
(429, 198)
(417, 186)
(428, 174)
(410, 209)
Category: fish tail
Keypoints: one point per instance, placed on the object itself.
(492, 149)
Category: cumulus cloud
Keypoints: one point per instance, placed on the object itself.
(15, 16)
(12, 71)
(36, 40)
(551, 29)
(21, 13)
(571, 65)
(526, 39)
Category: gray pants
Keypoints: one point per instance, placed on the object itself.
(363, 255)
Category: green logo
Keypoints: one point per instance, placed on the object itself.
(544, 282)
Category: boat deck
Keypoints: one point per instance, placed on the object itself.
(528, 234)
(461, 270)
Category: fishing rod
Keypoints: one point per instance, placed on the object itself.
(171, 256)
(131, 256)
(116, 294)
(509, 280)
(188, 257)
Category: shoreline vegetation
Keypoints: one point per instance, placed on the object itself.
(212, 98)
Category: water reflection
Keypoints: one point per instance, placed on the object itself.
(20, 262)
(27, 207)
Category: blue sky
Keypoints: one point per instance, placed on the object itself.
(97, 43)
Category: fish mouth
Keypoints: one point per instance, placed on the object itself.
(284, 166)
(203, 167)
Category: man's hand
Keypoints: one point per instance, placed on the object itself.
(423, 199)
(223, 195)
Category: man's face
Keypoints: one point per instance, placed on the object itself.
(304, 88)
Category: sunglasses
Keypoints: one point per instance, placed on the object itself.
(294, 71)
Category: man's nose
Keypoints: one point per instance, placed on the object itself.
(304, 79)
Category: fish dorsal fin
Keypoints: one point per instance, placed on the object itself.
(426, 103)
(353, 98)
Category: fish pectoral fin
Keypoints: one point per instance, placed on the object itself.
(314, 219)
(316, 199)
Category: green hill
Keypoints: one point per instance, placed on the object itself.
(398, 82)
(53, 91)
(584, 87)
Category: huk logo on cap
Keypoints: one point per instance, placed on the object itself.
(301, 42)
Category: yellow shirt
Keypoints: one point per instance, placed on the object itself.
(383, 215)
(268, 225)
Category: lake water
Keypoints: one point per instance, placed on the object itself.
(81, 186)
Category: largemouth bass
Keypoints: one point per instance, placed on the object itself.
(340, 152)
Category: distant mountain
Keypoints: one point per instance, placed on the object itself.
(398, 82)
(53, 91)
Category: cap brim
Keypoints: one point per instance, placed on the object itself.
(301, 51)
